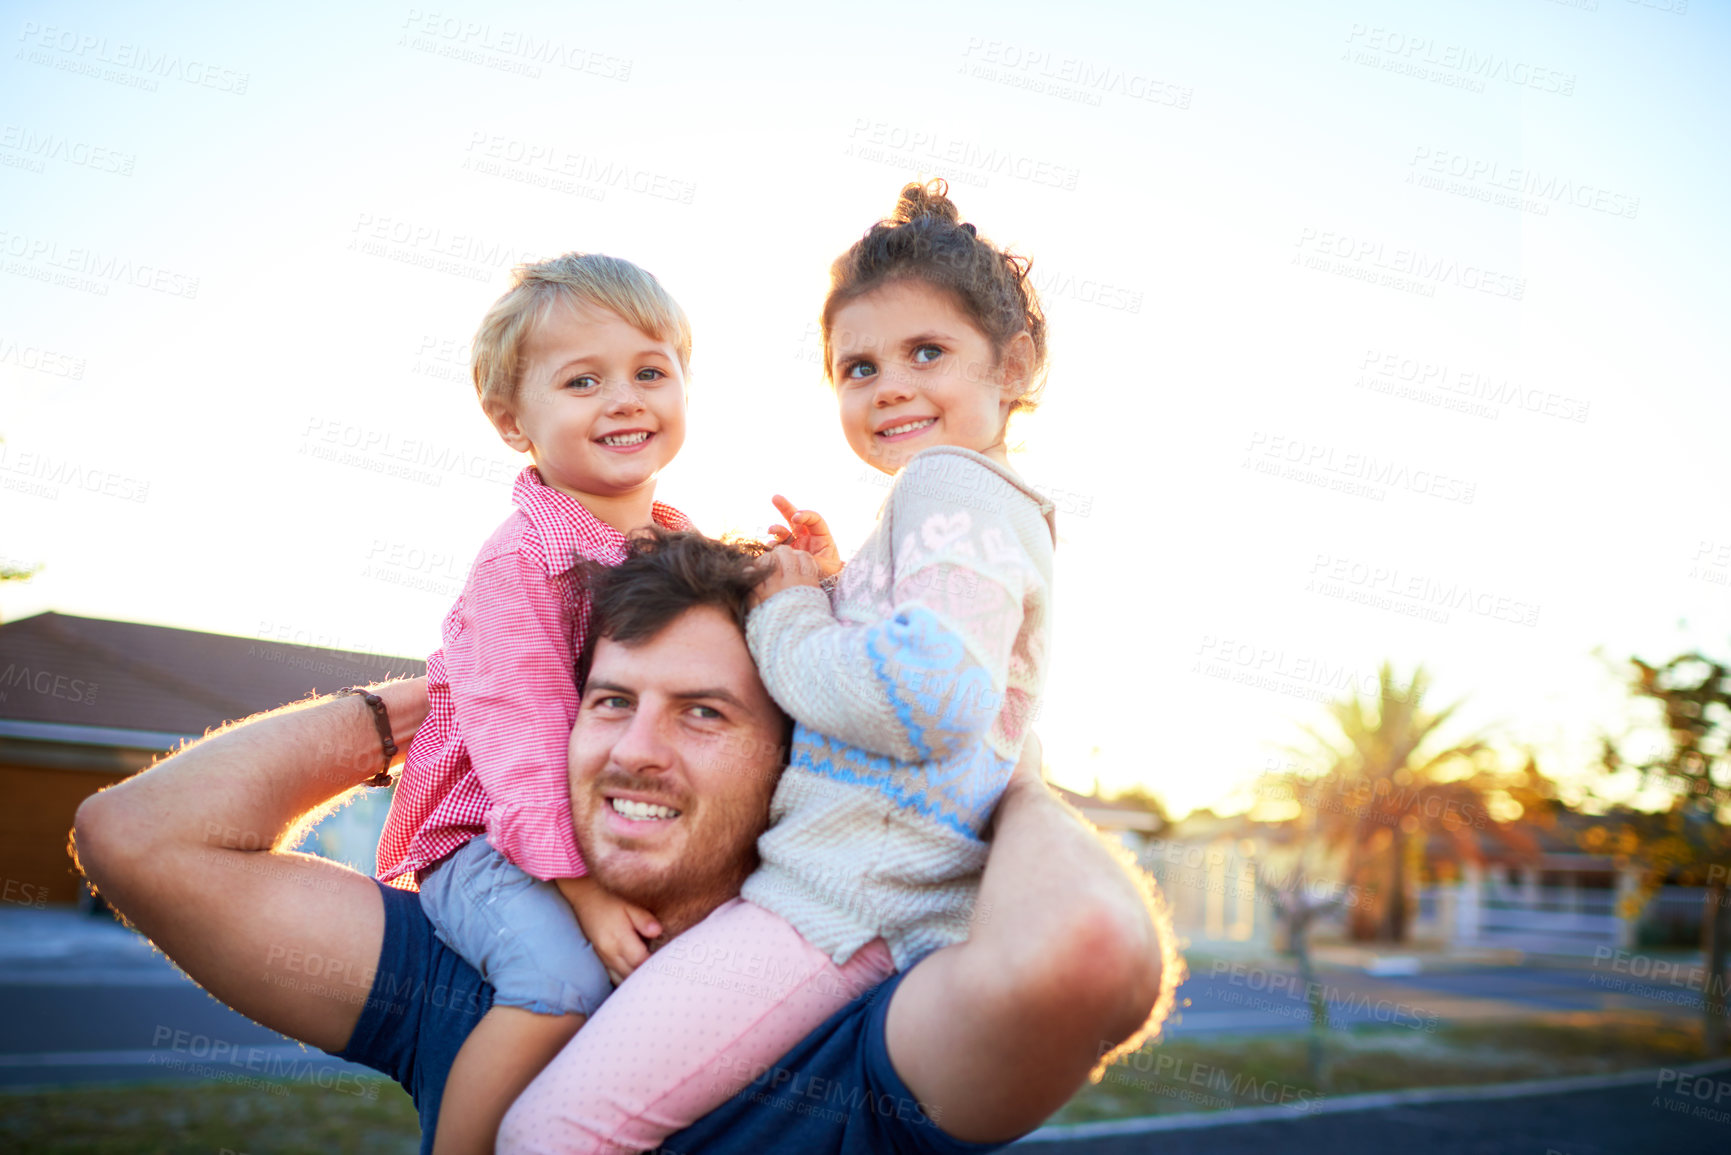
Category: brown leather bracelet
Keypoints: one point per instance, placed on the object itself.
(381, 719)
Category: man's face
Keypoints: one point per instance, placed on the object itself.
(674, 756)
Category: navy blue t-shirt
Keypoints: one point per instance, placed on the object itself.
(835, 1092)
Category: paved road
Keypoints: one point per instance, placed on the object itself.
(1638, 1120)
(1253, 1000)
(85, 1000)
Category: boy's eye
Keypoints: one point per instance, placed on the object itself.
(650, 374)
(920, 354)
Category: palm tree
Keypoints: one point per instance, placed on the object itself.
(1385, 790)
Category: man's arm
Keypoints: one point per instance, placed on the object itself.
(1069, 960)
(189, 851)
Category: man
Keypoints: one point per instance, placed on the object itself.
(976, 1044)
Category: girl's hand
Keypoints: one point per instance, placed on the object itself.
(615, 928)
(788, 567)
(807, 532)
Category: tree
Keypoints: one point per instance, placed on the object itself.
(1296, 909)
(1144, 798)
(1386, 785)
(11, 573)
(1690, 840)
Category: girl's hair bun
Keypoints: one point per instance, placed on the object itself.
(926, 240)
(919, 201)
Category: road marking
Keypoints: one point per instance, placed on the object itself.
(150, 1058)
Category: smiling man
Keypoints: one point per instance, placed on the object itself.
(673, 758)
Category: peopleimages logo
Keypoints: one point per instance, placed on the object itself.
(1373, 258)
(1455, 64)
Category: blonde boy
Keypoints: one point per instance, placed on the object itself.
(582, 365)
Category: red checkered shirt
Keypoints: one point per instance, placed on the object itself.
(490, 758)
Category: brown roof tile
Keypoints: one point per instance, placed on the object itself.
(125, 675)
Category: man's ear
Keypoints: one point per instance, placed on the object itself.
(503, 415)
(1018, 363)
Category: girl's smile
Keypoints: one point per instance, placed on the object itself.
(911, 371)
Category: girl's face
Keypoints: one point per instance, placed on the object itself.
(911, 371)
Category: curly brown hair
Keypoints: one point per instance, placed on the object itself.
(925, 239)
(665, 573)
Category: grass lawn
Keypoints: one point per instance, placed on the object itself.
(1214, 1073)
(1185, 1075)
(210, 1118)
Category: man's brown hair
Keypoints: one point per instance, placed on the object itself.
(664, 574)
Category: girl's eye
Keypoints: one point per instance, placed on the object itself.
(920, 354)
(858, 370)
(586, 381)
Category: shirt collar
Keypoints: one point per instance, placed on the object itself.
(566, 524)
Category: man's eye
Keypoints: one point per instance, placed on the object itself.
(611, 702)
(706, 712)
(920, 356)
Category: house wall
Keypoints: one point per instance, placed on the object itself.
(35, 822)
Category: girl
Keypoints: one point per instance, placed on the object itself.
(910, 682)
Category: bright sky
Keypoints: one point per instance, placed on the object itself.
(1379, 330)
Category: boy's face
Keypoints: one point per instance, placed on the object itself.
(601, 406)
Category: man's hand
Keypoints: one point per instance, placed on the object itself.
(787, 567)
(807, 532)
(1030, 768)
(615, 928)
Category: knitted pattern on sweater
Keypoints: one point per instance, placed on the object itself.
(911, 695)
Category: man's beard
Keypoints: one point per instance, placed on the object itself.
(718, 854)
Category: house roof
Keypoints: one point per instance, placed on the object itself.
(1546, 840)
(65, 678)
(1112, 813)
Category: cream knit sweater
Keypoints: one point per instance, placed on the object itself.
(911, 695)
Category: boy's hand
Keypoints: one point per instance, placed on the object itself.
(788, 567)
(614, 927)
(807, 532)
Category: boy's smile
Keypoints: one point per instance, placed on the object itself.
(600, 407)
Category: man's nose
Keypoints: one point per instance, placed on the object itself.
(643, 747)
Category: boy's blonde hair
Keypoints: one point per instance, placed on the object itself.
(576, 278)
